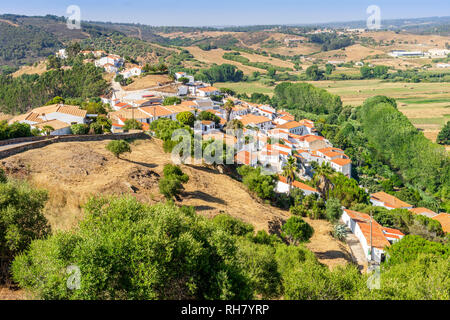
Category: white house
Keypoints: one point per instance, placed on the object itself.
(382, 199)
(208, 91)
(365, 228)
(132, 72)
(283, 187)
(59, 128)
(260, 122)
(64, 113)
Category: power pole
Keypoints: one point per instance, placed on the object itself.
(371, 243)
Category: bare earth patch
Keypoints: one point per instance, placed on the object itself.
(147, 82)
(74, 172)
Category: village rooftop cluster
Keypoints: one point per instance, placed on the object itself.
(275, 135)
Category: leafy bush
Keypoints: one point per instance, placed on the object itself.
(186, 118)
(233, 226)
(118, 147)
(334, 210)
(262, 185)
(444, 136)
(297, 230)
(80, 129)
(128, 250)
(3, 177)
(132, 124)
(170, 101)
(21, 219)
(340, 231)
(172, 184)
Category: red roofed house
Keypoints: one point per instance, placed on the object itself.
(283, 186)
(208, 91)
(247, 158)
(369, 232)
(382, 199)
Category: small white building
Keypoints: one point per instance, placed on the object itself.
(132, 72)
(208, 91)
(283, 187)
(62, 54)
(370, 234)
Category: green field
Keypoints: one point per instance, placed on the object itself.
(427, 105)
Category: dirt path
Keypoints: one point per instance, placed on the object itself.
(73, 172)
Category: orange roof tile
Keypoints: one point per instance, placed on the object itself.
(444, 219)
(298, 184)
(390, 200)
(341, 162)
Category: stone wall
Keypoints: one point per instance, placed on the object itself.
(40, 143)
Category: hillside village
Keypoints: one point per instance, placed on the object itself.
(235, 162)
(275, 135)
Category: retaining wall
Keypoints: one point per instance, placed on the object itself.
(40, 143)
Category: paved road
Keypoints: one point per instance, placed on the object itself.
(357, 251)
(9, 146)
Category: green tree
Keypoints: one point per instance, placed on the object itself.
(329, 68)
(186, 118)
(21, 220)
(313, 73)
(172, 184)
(334, 210)
(289, 171)
(297, 230)
(170, 101)
(132, 124)
(444, 136)
(80, 129)
(229, 105)
(130, 251)
(118, 147)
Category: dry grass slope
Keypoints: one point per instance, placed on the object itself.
(73, 172)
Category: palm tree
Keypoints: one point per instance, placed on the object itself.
(289, 171)
(229, 105)
(322, 180)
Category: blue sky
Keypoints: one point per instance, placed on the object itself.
(229, 12)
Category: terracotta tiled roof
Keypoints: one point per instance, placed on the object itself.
(55, 124)
(290, 125)
(208, 89)
(341, 162)
(244, 157)
(444, 219)
(298, 184)
(390, 200)
(423, 211)
(379, 239)
(252, 119)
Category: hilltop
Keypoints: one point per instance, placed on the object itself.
(79, 170)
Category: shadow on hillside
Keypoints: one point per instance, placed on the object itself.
(332, 254)
(203, 196)
(204, 169)
(203, 208)
(275, 226)
(147, 165)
